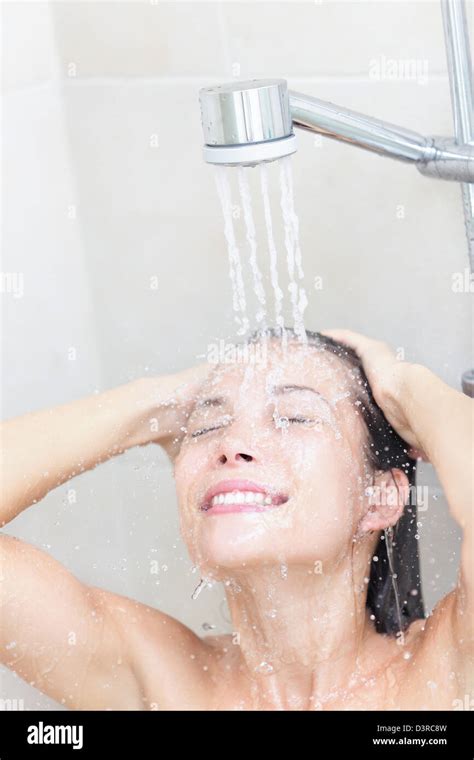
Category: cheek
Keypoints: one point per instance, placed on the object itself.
(189, 466)
(329, 485)
(314, 458)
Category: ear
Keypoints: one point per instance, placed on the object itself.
(386, 499)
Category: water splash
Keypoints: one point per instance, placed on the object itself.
(264, 667)
(235, 264)
(202, 584)
(252, 240)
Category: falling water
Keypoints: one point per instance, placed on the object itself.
(252, 240)
(286, 164)
(235, 264)
(290, 226)
(293, 254)
(388, 533)
(277, 291)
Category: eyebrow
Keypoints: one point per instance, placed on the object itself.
(277, 389)
(211, 401)
(290, 388)
(218, 401)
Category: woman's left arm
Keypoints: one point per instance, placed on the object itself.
(438, 423)
(441, 422)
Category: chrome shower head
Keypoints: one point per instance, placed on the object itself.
(247, 123)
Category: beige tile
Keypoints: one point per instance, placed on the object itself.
(41, 243)
(28, 51)
(138, 39)
(335, 37)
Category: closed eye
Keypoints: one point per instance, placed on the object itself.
(202, 431)
(282, 421)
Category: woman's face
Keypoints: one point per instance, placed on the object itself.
(271, 469)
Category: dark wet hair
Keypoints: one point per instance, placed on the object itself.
(394, 594)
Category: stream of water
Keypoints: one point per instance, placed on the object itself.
(235, 262)
(282, 260)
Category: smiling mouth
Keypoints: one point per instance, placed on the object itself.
(226, 498)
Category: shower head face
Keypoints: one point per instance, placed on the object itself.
(246, 123)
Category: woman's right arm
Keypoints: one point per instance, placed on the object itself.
(42, 450)
(72, 641)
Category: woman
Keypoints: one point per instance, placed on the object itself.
(291, 484)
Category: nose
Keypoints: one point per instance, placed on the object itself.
(234, 454)
(241, 442)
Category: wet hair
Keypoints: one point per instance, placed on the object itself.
(394, 595)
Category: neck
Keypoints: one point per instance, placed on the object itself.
(302, 634)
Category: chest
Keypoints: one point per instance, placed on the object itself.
(395, 688)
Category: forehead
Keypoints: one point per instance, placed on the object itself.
(294, 364)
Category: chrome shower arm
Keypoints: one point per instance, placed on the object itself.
(460, 79)
(433, 156)
(356, 128)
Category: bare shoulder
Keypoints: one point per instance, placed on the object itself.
(172, 664)
(434, 661)
(436, 635)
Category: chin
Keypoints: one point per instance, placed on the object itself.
(229, 541)
(241, 542)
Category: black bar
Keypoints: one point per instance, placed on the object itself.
(432, 734)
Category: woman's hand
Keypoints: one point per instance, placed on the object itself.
(168, 401)
(388, 378)
(44, 449)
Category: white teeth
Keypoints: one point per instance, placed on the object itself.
(241, 497)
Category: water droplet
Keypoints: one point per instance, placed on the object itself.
(198, 589)
(264, 667)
